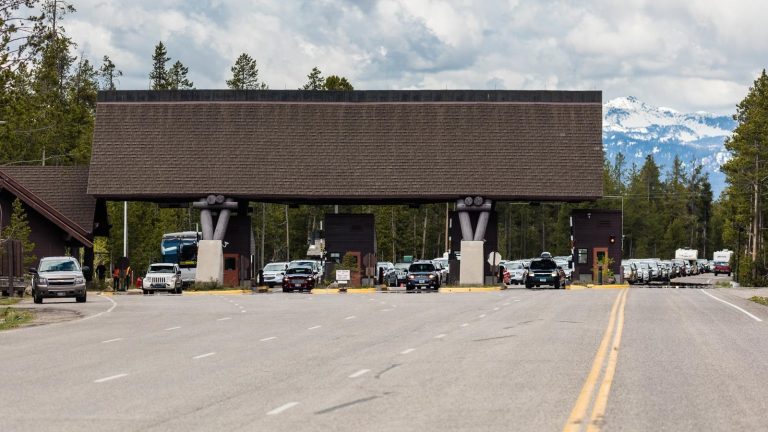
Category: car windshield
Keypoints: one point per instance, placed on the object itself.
(65, 264)
(720, 263)
(161, 269)
(402, 266)
(544, 264)
(300, 270)
(515, 266)
(426, 267)
(274, 267)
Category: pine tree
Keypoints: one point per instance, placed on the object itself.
(245, 75)
(109, 73)
(158, 77)
(335, 82)
(315, 81)
(177, 77)
(747, 170)
(18, 229)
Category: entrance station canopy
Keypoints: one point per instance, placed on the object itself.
(359, 146)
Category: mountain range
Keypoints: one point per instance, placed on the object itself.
(637, 129)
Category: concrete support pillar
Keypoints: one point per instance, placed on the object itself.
(466, 223)
(206, 223)
(472, 263)
(221, 224)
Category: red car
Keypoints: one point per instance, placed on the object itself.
(298, 278)
(722, 267)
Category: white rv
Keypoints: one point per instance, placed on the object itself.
(722, 256)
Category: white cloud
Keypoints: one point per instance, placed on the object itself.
(687, 55)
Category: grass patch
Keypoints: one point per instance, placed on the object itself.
(762, 300)
(209, 286)
(11, 318)
(722, 284)
(7, 301)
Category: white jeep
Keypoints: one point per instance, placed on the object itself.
(162, 277)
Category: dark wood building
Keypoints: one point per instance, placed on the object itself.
(63, 218)
(595, 235)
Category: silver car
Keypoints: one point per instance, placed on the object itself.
(273, 273)
(58, 277)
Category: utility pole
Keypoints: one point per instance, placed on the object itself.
(287, 236)
(263, 230)
(125, 227)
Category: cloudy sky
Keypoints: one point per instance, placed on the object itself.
(690, 55)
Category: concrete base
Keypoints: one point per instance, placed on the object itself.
(472, 263)
(210, 262)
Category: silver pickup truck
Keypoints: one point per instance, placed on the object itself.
(58, 277)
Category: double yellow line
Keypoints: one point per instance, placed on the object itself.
(578, 419)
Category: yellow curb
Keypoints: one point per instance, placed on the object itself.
(361, 290)
(105, 293)
(219, 292)
(469, 289)
(576, 287)
(325, 291)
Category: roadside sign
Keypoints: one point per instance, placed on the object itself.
(494, 258)
(343, 275)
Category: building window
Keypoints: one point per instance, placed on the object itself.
(230, 263)
(582, 256)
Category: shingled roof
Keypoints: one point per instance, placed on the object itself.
(363, 146)
(57, 192)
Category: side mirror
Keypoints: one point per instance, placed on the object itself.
(33, 270)
(178, 272)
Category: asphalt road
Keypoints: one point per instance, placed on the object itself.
(637, 359)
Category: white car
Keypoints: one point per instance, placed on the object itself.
(162, 277)
(273, 273)
(516, 271)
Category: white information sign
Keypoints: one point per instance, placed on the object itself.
(342, 276)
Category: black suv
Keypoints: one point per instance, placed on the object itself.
(422, 274)
(544, 271)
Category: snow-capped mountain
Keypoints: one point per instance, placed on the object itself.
(636, 129)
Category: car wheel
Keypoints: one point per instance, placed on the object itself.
(557, 285)
(528, 286)
(286, 290)
(145, 292)
(729, 275)
(271, 285)
(81, 299)
(38, 298)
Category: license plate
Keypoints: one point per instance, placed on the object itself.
(297, 284)
(543, 279)
(60, 294)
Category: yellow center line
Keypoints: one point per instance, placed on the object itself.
(579, 410)
(601, 400)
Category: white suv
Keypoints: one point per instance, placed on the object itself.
(162, 277)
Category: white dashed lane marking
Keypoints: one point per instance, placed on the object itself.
(282, 408)
(268, 339)
(203, 355)
(350, 317)
(172, 328)
(465, 325)
(408, 351)
(482, 316)
(224, 319)
(110, 378)
(440, 336)
(112, 340)
(360, 373)
(314, 327)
